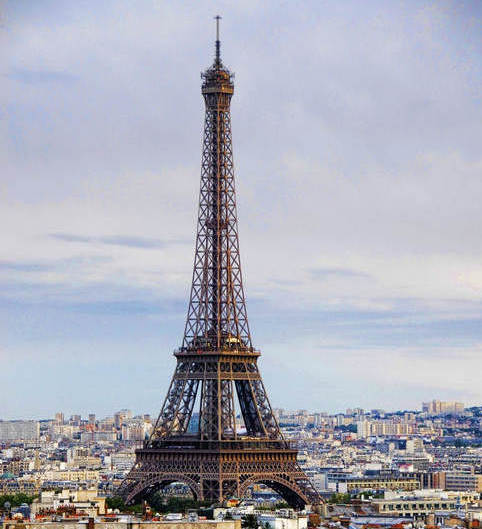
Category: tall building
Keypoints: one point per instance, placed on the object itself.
(75, 420)
(19, 430)
(363, 429)
(217, 364)
(121, 417)
(438, 407)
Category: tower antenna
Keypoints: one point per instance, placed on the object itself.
(218, 42)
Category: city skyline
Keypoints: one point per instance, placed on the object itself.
(84, 415)
(362, 273)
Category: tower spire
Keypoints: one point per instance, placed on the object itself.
(218, 42)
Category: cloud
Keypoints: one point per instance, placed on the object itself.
(67, 237)
(343, 273)
(35, 77)
(24, 267)
(134, 242)
(117, 240)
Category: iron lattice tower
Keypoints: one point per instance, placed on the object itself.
(217, 361)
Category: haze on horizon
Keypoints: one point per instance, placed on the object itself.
(356, 133)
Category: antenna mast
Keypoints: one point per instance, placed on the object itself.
(218, 42)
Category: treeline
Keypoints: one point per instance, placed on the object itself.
(116, 502)
(161, 504)
(16, 499)
(164, 505)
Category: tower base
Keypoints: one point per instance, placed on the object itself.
(215, 473)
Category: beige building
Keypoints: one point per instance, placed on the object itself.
(439, 407)
(85, 502)
(463, 480)
(424, 503)
(406, 484)
(365, 428)
(80, 474)
(15, 466)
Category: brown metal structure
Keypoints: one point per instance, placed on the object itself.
(217, 364)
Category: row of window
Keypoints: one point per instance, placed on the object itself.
(417, 506)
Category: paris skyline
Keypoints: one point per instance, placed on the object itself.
(358, 173)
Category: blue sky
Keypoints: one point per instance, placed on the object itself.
(357, 133)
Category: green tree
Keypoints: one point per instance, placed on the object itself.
(16, 499)
(249, 521)
(115, 502)
(162, 504)
(339, 497)
(281, 505)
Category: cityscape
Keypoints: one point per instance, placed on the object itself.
(387, 313)
(383, 467)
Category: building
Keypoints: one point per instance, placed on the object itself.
(79, 457)
(437, 407)
(277, 521)
(416, 461)
(363, 429)
(63, 430)
(422, 503)
(461, 480)
(78, 502)
(96, 436)
(383, 427)
(122, 461)
(19, 430)
(135, 430)
(75, 420)
(121, 417)
(80, 474)
(16, 467)
(353, 484)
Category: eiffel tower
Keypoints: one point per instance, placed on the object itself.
(217, 363)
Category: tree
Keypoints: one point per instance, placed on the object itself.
(250, 521)
(16, 499)
(115, 502)
(163, 504)
(339, 497)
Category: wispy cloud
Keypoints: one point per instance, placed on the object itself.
(40, 76)
(24, 267)
(67, 237)
(135, 242)
(119, 240)
(329, 273)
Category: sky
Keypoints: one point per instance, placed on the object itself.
(356, 129)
